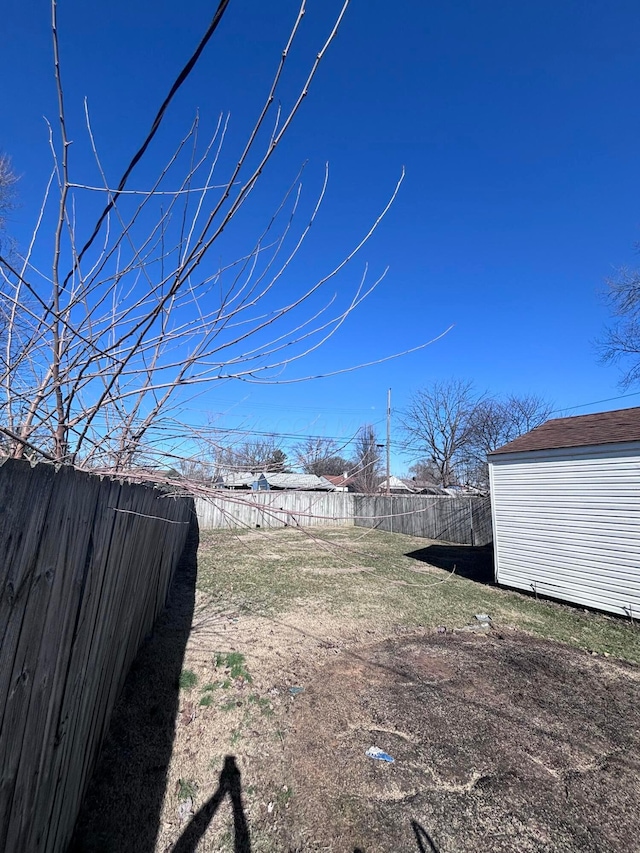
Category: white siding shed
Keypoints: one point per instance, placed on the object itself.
(566, 511)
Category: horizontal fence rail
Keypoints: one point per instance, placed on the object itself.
(86, 567)
(463, 520)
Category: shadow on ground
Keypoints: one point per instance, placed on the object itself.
(229, 785)
(473, 562)
(122, 807)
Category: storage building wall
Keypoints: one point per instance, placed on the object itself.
(567, 524)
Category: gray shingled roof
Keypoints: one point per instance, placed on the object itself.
(579, 431)
(298, 481)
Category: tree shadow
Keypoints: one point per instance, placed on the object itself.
(122, 805)
(474, 562)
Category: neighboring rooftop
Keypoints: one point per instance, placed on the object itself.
(339, 479)
(269, 480)
(395, 485)
(579, 431)
(303, 482)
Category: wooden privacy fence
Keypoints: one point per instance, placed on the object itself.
(464, 520)
(86, 567)
(274, 509)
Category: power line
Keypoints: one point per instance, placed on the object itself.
(286, 407)
(201, 431)
(594, 403)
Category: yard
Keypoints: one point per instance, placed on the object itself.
(246, 720)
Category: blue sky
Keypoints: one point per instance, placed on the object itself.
(517, 125)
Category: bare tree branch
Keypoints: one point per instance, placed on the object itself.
(620, 343)
(93, 361)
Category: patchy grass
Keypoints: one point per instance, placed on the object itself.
(188, 679)
(284, 795)
(261, 702)
(368, 576)
(233, 663)
(187, 788)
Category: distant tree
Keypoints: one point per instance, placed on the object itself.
(424, 471)
(366, 462)
(253, 456)
(453, 429)
(621, 340)
(320, 456)
(526, 412)
(495, 422)
(197, 470)
(277, 462)
(437, 425)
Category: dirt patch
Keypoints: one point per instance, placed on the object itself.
(500, 744)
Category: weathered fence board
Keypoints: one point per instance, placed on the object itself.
(274, 509)
(87, 564)
(464, 520)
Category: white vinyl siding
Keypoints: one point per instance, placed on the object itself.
(566, 524)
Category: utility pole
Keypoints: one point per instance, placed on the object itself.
(389, 441)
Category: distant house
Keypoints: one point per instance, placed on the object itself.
(299, 482)
(341, 482)
(396, 486)
(238, 480)
(267, 481)
(566, 510)
(458, 491)
(424, 487)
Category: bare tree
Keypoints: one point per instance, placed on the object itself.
(320, 456)
(134, 311)
(621, 340)
(495, 422)
(252, 455)
(453, 428)
(424, 471)
(366, 462)
(437, 425)
(526, 412)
